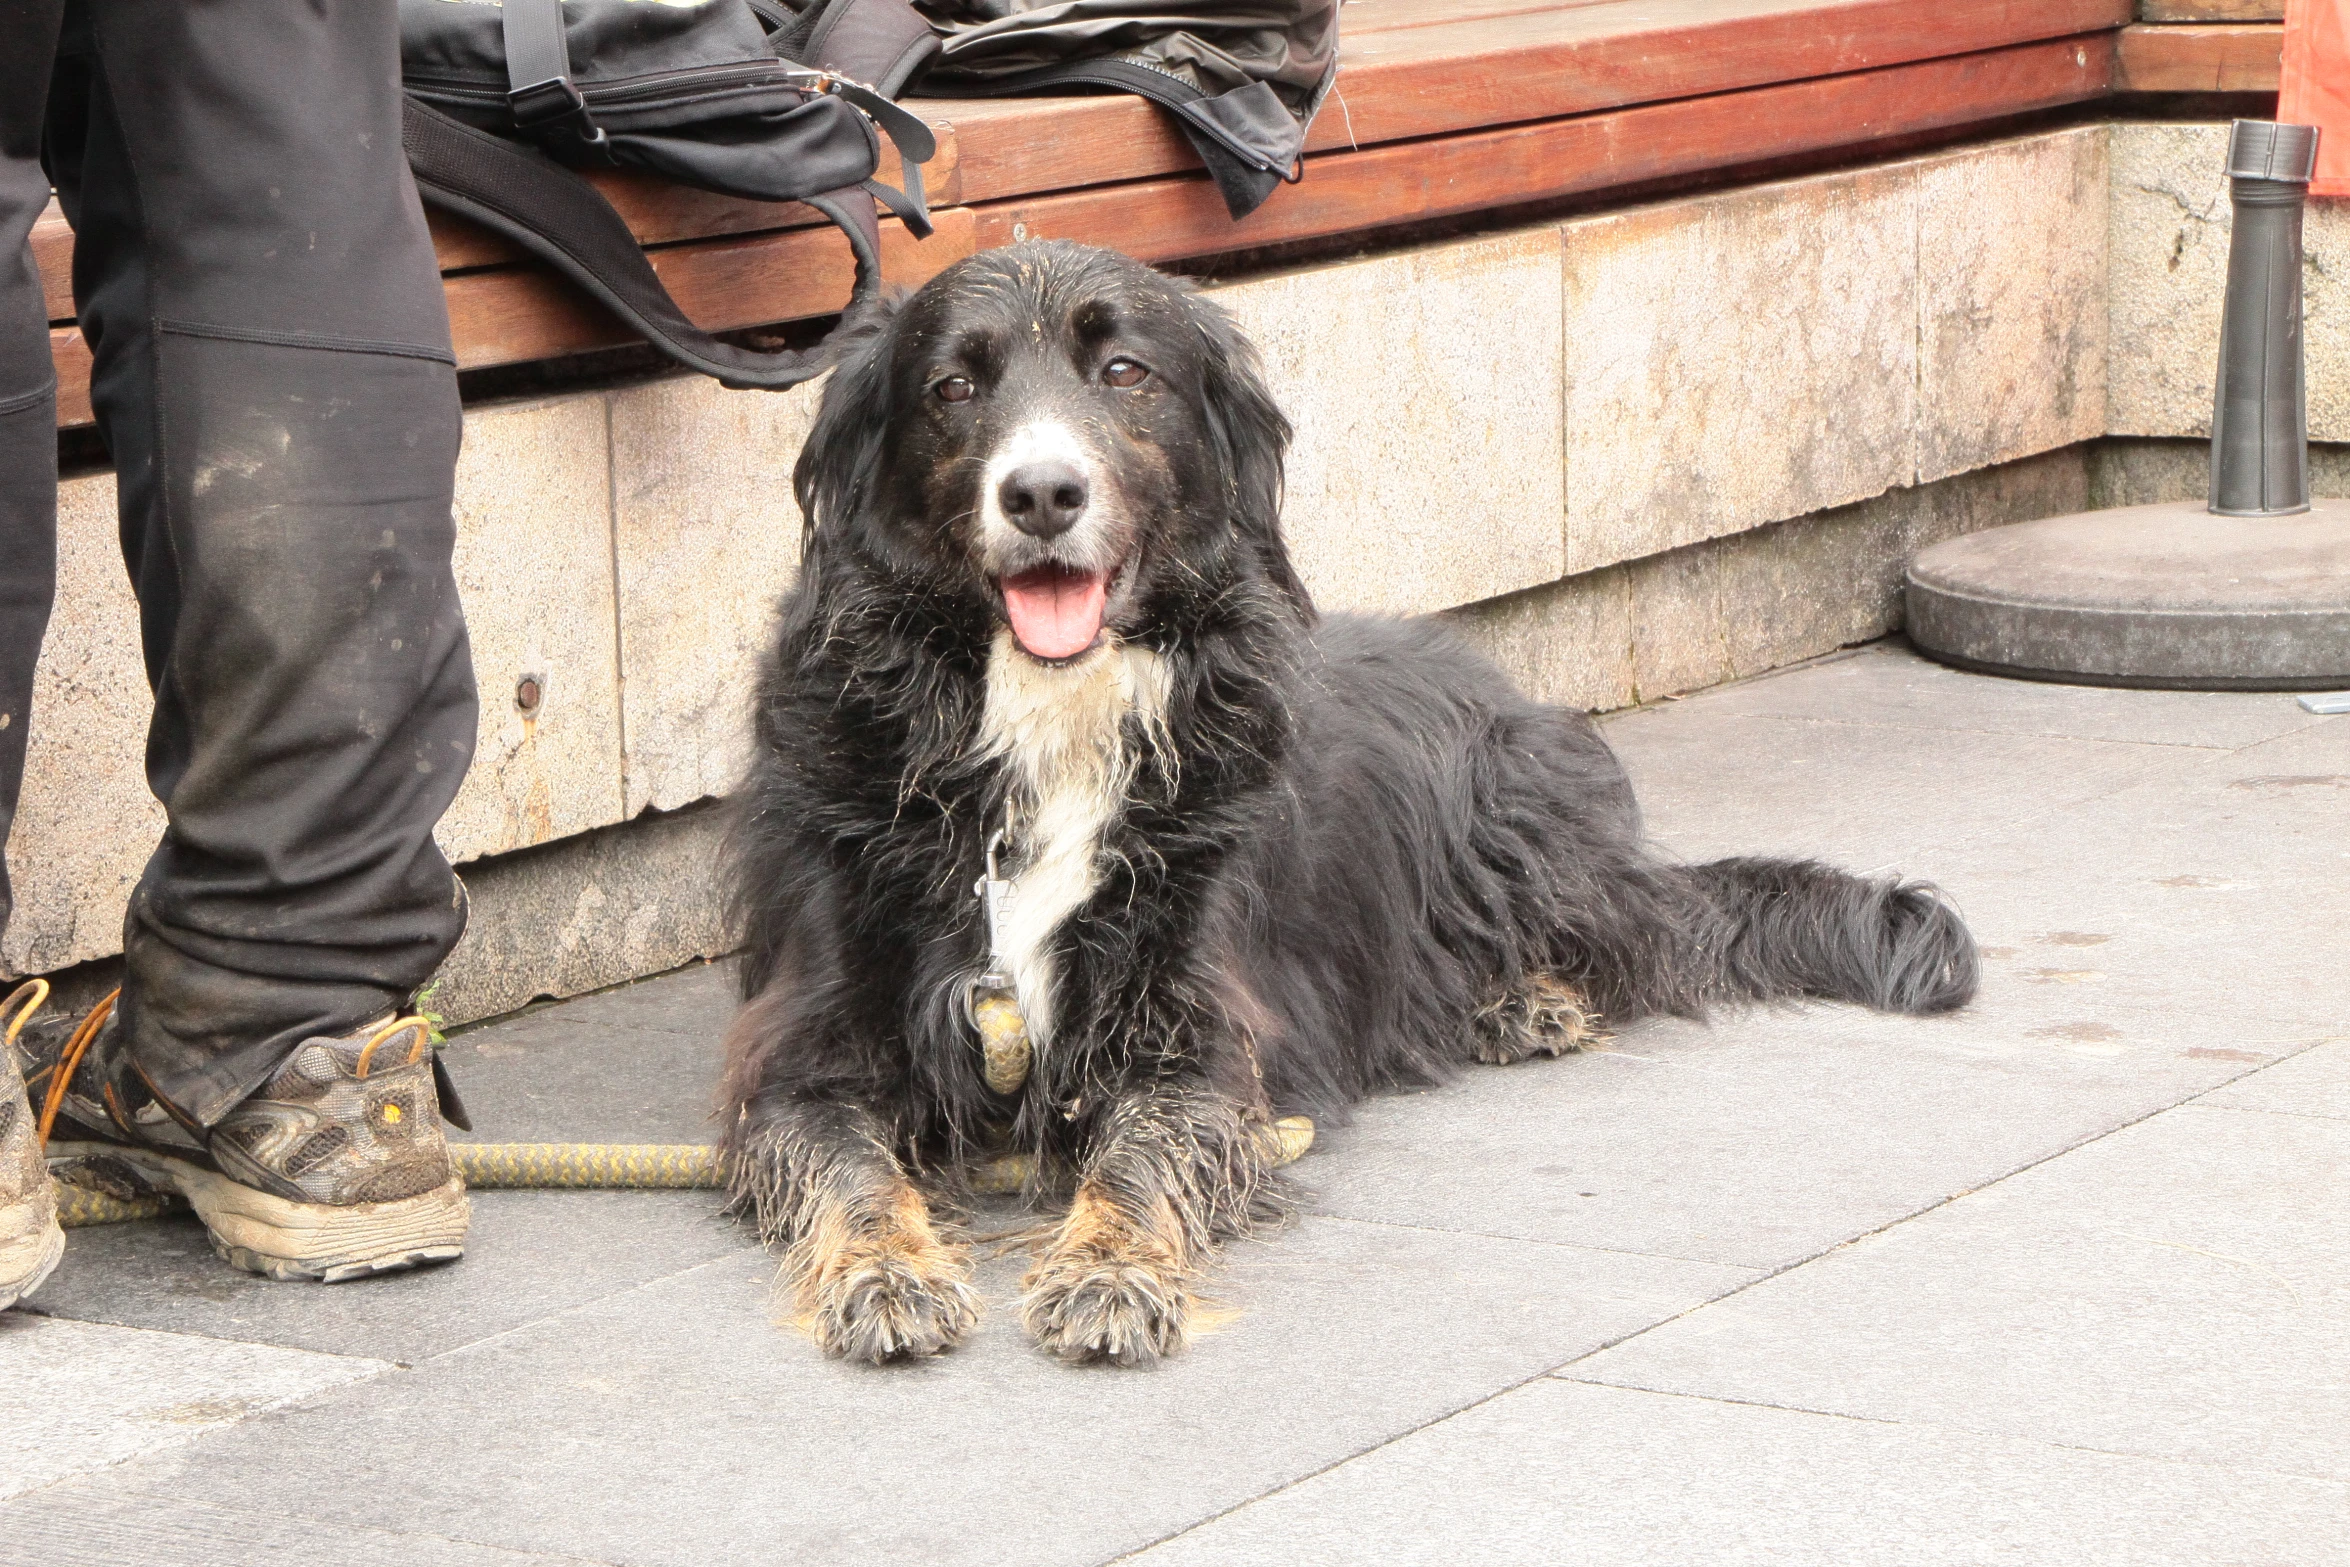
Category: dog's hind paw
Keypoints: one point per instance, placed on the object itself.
(887, 1306)
(1541, 1017)
(1098, 1310)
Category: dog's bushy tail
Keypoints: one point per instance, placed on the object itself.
(1800, 928)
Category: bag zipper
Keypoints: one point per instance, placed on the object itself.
(631, 89)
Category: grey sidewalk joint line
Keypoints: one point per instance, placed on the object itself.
(2212, 752)
(2299, 1115)
(1967, 1431)
(32, 1308)
(1684, 698)
(2184, 1101)
(1761, 1276)
(622, 1293)
(1316, 1473)
(198, 1438)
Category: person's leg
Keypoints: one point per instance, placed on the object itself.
(29, 1237)
(28, 395)
(274, 381)
(272, 376)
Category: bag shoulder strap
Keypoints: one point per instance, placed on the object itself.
(540, 93)
(566, 222)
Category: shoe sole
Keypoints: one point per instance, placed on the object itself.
(263, 1233)
(26, 1260)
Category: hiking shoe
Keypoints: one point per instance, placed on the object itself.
(334, 1169)
(30, 1241)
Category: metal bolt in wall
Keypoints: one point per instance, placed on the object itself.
(529, 693)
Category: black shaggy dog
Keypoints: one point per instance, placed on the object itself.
(1260, 863)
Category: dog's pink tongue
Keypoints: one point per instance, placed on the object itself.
(1056, 613)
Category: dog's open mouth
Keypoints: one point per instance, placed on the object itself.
(1056, 611)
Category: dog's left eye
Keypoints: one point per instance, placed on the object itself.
(1124, 373)
(954, 389)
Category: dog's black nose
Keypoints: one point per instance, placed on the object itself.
(1043, 499)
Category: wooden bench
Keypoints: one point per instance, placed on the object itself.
(1442, 107)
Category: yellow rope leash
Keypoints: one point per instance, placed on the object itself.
(586, 1166)
(560, 1166)
(79, 1205)
(490, 1167)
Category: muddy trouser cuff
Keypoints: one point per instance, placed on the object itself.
(272, 376)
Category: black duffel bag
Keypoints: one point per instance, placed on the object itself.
(1243, 78)
(502, 96)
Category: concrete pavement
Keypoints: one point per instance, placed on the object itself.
(2064, 1278)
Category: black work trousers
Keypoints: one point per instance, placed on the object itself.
(273, 379)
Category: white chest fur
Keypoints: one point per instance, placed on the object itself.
(1061, 733)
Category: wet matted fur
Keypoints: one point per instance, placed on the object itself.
(1265, 863)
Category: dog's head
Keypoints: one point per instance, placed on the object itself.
(1067, 437)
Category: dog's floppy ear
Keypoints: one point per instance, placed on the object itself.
(1252, 439)
(842, 456)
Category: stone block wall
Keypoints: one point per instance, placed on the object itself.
(1629, 454)
(2169, 244)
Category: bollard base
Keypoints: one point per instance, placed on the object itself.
(2166, 596)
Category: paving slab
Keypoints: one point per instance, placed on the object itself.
(1888, 684)
(635, 1064)
(696, 999)
(528, 1256)
(66, 1526)
(2315, 1082)
(2180, 1289)
(2219, 891)
(78, 1396)
(2042, 999)
(1759, 1141)
(679, 1424)
(1567, 1472)
(1869, 797)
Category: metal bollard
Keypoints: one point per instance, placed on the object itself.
(2259, 422)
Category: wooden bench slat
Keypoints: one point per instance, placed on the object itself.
(507, 315)
(1358, 17)
(72, 357)
(662, 212)
(2211, 10)
(1163, 220)
(1457, 76)
(52, 243)
(1477, 74)
(2224, 57)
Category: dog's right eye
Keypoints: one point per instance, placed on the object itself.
(954, 389)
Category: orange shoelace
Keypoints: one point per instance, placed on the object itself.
(70, 1059)
(32, 993)
(415, 1052)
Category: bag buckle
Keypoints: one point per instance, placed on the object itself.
(554, 105)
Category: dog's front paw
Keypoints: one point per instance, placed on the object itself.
(1111, 1287)
(1092, 1308)
(882, 1304)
